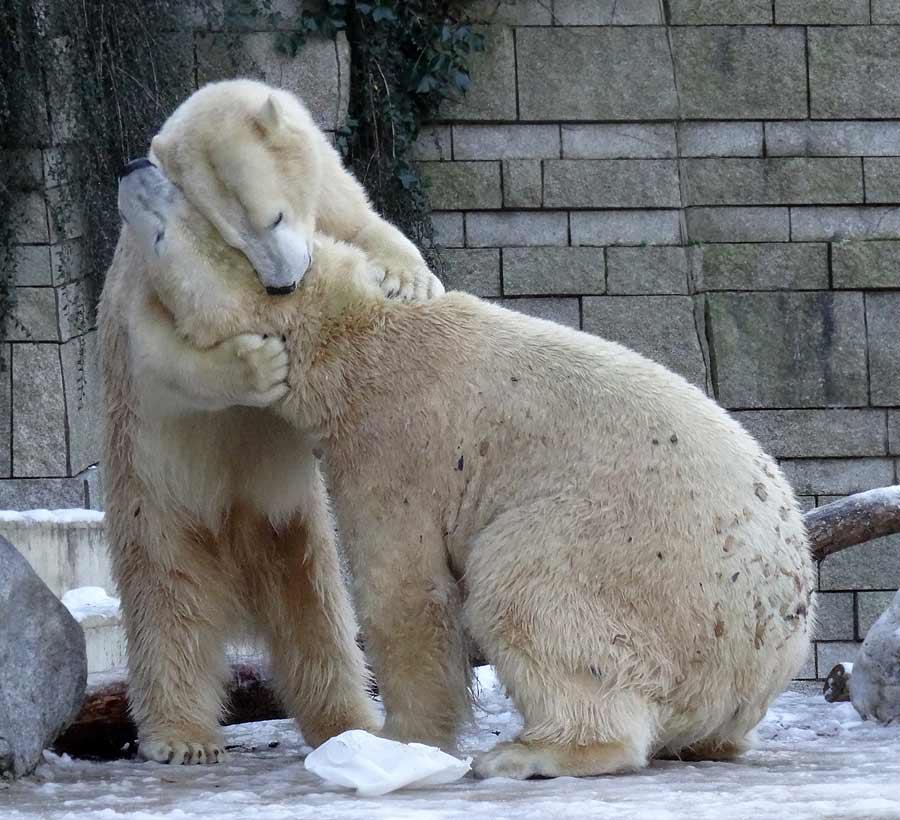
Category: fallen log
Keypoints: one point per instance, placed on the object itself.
(853, 520)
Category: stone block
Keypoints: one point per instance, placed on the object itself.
(21, 169)
(869, 607)
(65, 212)
(611, 141)
(832, 139)
(448, 229)
(784, 349)
(563, 311)
(818, 433)
(28, 218)
(492, 95)
(623, 74)
(835, 617)
(894, 431)
(485, 229)
(39, 423)
(522, 183)
(41, 493)
(886, 11)
(611, 183)
(318, 74)
(76, 311)
(626, 228)
(433, 143)
(33, 317)
(721, 76)
(822, 12)
(808, 670)
(511, 12)
(67, 262)
(838, 476)
(882, 184)
(476, 271)
(462, 185)
(874, 565)
(81, 378)
(659, 327)
(708, 12)
(738, 224)
(505, 141)
(652, 270)
(852, 71)
(760, 266)
(720, 139)
(5, 413)
(883, 332)
(607, 12)
(830, 653)
(63, 165)
(30, 265)
(806, 502)
(554, 271)
(838, 224)
(869, 265)
(780, 181)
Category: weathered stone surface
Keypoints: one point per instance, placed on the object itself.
(33, 318)
(834, 616)
(611, 183)
(894, 431)
(806, 502)
(318, 74)
(484, 229)
(820, 433)
(44, 668)
(607, 12)
(842, 223)
(720, 139)
(626, 228)
(883, 331)
(94, 497)
(721, 76)
(511, 12)
(781, 181)
(28, 217)
(448, 229)
(831, 653)
(738, 224)
(839, 476)
(557, 271)
(873, 565)
(869, 607)
(462, 185)
(808, 670)
(505, 141)
(875, 682)
(30, 265)
(492, 95)
(867, 265)
(706, 12)
(21, 169)
(76, 310)
(886, 11)
(522, 183)
(80, 359)
(822, 12)
(646, 270)
(623, 74)
(607, 141)
(475, 271)
(760, 266)
(433, 143)
(564, 311)
(832, 139)
(660, 327)
(5, 413)
(852, 71)
(68, 262)
(882, 184)
(39, 427)
(762, 359)
(41, 493)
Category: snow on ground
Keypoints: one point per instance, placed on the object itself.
(814, 760)
(91, 602)
(73, 516)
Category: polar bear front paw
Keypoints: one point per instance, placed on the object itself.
(259, 369)
(181, 752)
(418, 284)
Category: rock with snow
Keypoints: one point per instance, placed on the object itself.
(875, 682)
(43, 667)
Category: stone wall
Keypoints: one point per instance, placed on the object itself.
(715, 184)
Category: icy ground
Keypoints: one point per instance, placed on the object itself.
(814, 760)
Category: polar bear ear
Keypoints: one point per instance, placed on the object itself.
(271, 116)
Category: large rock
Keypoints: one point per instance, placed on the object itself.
(43, 666)
(875, 682)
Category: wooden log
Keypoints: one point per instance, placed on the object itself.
(853, 520)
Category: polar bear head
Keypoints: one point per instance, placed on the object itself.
(247, 156)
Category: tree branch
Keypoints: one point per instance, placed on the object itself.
(853, 520)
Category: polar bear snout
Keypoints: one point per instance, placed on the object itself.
(145, 198)
(280, 258)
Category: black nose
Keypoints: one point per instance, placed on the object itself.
(135, 165)
(282, 291)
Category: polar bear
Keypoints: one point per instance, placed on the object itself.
(216, 510)
(623, 552)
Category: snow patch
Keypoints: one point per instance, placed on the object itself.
(73, 516)
(91, 602)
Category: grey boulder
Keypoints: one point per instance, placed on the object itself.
(875, 680)
(43, 666)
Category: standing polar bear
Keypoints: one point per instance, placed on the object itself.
(622, 551)
(216, 510)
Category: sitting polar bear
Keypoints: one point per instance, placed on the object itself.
(216, 510)
(623, 552)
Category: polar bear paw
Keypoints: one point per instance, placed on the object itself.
(396, 283)
(181, 751)
(258, 368)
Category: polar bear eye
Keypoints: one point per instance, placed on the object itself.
(278, 219)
